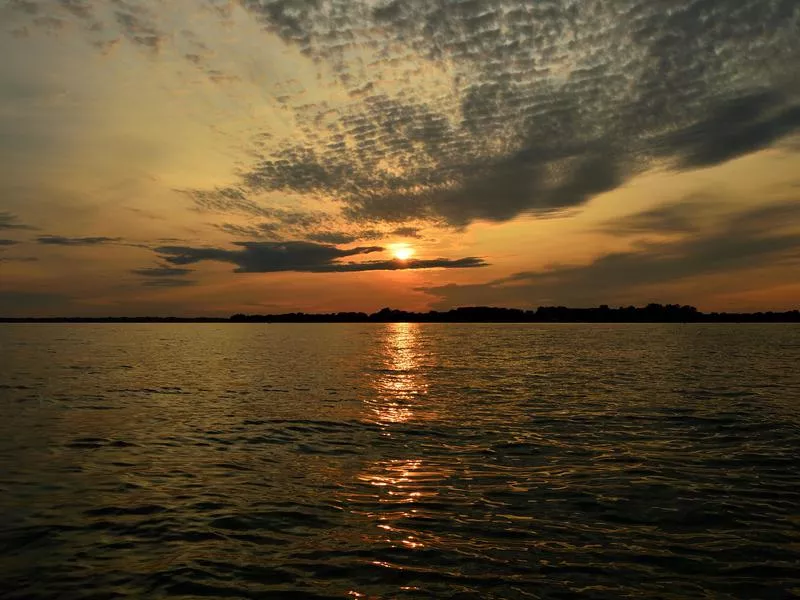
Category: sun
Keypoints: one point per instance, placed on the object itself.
(402, 251)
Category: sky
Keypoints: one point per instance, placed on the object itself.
(208, 157)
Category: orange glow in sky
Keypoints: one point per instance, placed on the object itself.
(402, 251)
(209, 158)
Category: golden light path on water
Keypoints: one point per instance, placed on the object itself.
(399, 384)
(402, 487)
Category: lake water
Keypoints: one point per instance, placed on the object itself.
(399, 461)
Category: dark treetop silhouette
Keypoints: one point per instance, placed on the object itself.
(652, 313)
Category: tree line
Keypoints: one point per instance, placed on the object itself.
(652, 313)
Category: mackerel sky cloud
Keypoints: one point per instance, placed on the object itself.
(573, 151)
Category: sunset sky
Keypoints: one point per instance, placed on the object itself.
(206, 157)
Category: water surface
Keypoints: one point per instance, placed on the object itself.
(399, 461)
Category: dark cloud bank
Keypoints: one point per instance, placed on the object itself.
(557, 102)
(551, 103)
(268, 257)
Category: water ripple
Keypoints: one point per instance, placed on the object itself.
(414, 461)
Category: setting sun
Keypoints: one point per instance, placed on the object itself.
(402, 251)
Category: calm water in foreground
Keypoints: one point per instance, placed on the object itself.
(399, 461)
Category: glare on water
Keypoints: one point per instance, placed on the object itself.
(380, 460)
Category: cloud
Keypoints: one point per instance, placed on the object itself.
(11, 221)
(341, 237)
(450, 112)
(59, 240)
(226, 200)
(55, 15)
(734, 128)
(8, 242)
(79, 8)
(134, 19)
(752, 238)
(25, 6)
(553, 103)
(138, 29)
(168, 282)
(165, 276)
(281, 223)
(267, 257)
(268, 230)
(331, 237)
(409, 232)
(260, 257)
(307, 229)
(162, 271)
(297, 224)
(673, 218)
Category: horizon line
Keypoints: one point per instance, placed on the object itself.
(652, 312)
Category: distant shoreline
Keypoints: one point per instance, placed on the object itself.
(652, 313)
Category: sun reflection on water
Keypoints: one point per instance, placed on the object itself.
(395, 492)
(399, 382)
(402, 491)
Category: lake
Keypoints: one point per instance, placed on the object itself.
(399, 461)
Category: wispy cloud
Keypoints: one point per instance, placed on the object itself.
(11, 221)
(752, 238)
(60, 240)
(343, 237)
(408, 232)
(673, 218)
(168, 282)
(165, 276)
(162, 271)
